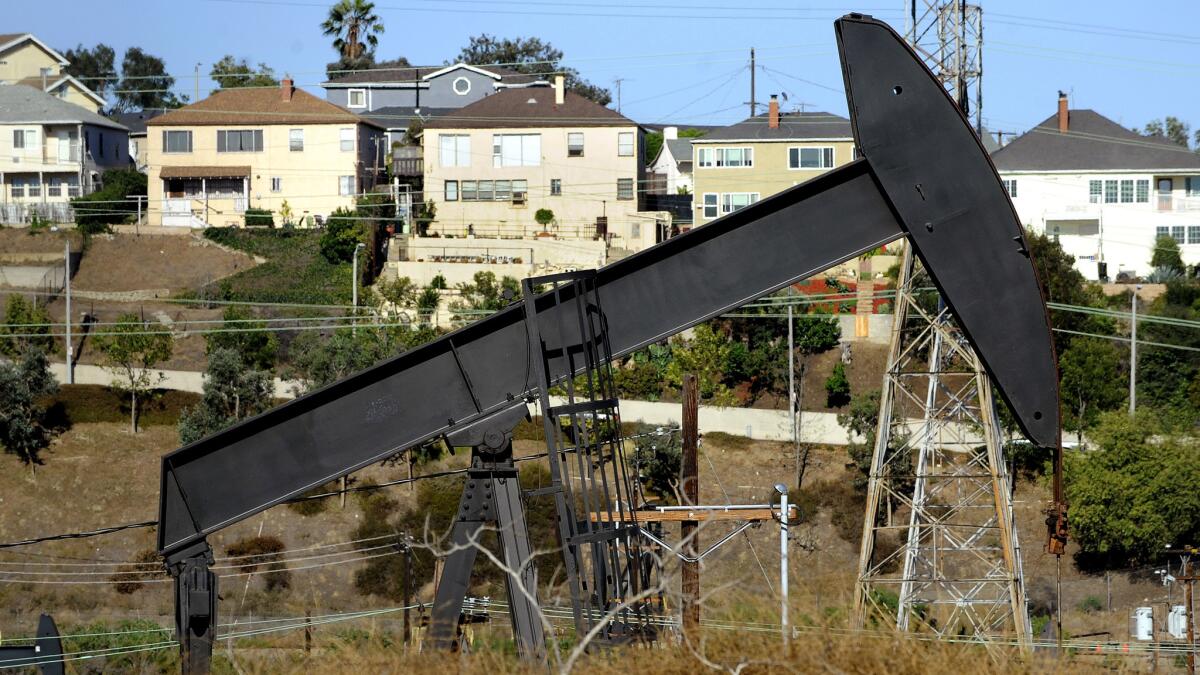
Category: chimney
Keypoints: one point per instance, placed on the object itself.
(286, 87)
(670, 133)
(1063, 114)
(559, 96)
(773, 112)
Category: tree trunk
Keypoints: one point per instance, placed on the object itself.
(802, 449)
(133, 411)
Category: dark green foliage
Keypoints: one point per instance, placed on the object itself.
(129, 579)
(91, 403)
(1091, 381)
(705, 355)
(95, 66)
(295, 270)
(233, 390)
(266, 551)
(531, 56)
(1091, 604)
(543, 217)
(1133, 495)
(862, 420)
(317, 361)
(1167, 255)
(815, 334)
(485, 295)
(355, 28)
(26, 325)
(259, 218)
(837, 387)
(131, 349)
(145, 84)
(1166, 377)
(639, 380)
(1062, 283)
(1171, 127)
(438, 282)
(342, 233)
(656, 458)
(126, 645)
(256, 346)
(401, 291)
(24, 430)
(230, 73)
(109, 205)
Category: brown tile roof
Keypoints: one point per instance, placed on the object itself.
(532, 107)
(5, 38)
(258, 106)
(410, 75)
(204, 171)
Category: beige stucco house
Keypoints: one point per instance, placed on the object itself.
(26, 60)
(735, 166)
(492, 165)
(276, 149)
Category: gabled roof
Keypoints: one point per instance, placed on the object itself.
(794, 126)
(136, 121)
(398, 117)
(53, 81)
(21, 104)
(412, 76)
(10, 40)
(1092, 143)
(258, 106)
(532, 107)
(680, 148)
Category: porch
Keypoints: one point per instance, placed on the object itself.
(204, 196)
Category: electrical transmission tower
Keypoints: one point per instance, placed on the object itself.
(940, 552)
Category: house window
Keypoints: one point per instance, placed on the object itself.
(732, 201)
(1110, 191)
(451, 188)
(520, 192)
(236, 140)
(503, 190)
(346, 186)
(1127, 192)
(461, 86)
(34, 185)
(486, 191)
(575, 144)
(810, 158)
(1010, 186)
(18, 188)
(470, 191)
(18, 139)
(555, 187)
(347, 139)
(54, 187)
(726, 157)
(358, 98)
(625, 188)
(455, 150)
(1191, 185)
(1095, 191)
(296, 140)
(1143, 191)
(710, 205)
(625, 144)
(72, 186)
(516, 150)
(177, 141)
(1193, 234)
(276, 184)
(1177, 232)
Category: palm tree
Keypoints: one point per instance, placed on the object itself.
(354, 25)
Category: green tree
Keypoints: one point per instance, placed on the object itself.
(354, 27)
(316, 361)
(232, 390)
(254, 344)
(703, 355)
(1171, 128)
(837, 387)
(427, 304)
(657, 456)
(131, 349)
(1166, 254)
(1134, 494)
(94, 213)
(24, 430)
(401, 291)
(145, 84)
(485, 294)
(531, 56)
(343, 232)
(25, 325)
(1165, 375)
(231, 73)
(1090, 381)
(94, 67)
(1061, 282)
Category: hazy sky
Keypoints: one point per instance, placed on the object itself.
(681, 61)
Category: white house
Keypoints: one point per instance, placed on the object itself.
(1105, 192)
(671, 170)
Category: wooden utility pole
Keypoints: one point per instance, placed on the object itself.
(690, 494)
(406, 549)
(1191, 624)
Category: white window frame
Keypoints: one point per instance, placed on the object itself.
(632, 189)
(345, 186)
(718, 158)
(727, 200)
(450, 190)
(293, 136)
(276, 184)
(1010, 187)
(625, 144)
(1141, 191)
(350, 98)
(454, 150)
(344, 142)
(1193, 235)
(555, 187)
(528, 150)
(582, 145)
(828, 157)
(457, 80)
(715, 205)
(167, 133)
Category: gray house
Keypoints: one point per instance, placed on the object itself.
(394, 97)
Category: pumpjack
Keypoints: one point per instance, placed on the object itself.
(921, 173)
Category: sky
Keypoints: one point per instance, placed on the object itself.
(681, 61)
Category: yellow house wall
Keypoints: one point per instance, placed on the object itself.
(589, 186)
(75, 95)
(768, 175)
(309, 178)
(26, 60)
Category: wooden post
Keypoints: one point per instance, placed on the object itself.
(307, 632)
(690, 494)
(407, 581)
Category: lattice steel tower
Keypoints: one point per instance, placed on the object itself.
(940, 552)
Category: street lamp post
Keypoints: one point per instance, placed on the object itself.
(783, 560)
(1133, 351)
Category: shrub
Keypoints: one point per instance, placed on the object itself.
(342, 234)
(262, 550)
(130, 578)
(111, 204)
(544, 217)
(311, 507)
(657, 456)
(259, 218)
(438, 283)
(1091, 604)
(837, 387)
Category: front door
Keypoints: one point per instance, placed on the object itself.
(1164, 194)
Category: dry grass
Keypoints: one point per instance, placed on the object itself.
(122, 262)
